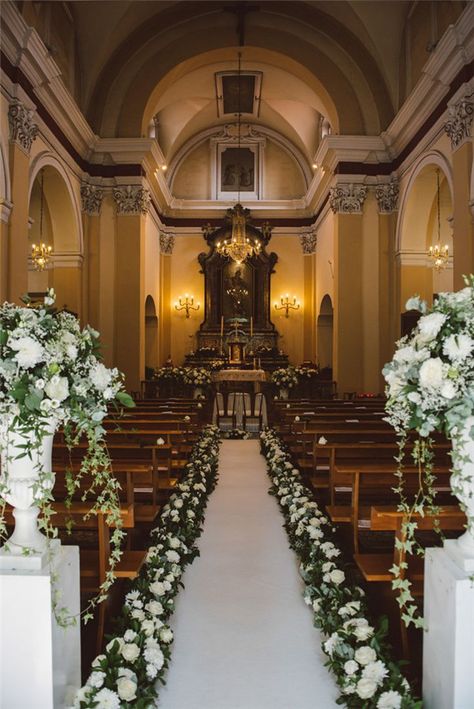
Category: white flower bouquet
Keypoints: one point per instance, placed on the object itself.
(285, 378)
(196, 376)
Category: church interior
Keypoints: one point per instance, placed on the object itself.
(240, 197)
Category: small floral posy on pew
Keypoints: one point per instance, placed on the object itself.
(125, 675)
(356, 651)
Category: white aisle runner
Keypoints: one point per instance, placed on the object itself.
(244, 638)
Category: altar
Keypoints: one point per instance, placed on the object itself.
(240, 375)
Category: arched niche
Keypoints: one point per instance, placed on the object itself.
(151, 334)
(54, 220)
(417, 230)
(325, 332)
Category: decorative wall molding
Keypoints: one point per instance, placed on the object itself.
(5, 210)
(166, 243)
(458, 125)
(131, 200)
(91, 197)
(386, 195)
(23, 129)
(308, 240)
(347, 198)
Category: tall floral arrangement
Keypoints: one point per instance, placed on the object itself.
(430, 387)
(285, 378)
(51, 375)
(196, 376)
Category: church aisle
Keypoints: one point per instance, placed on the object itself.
(243, 635)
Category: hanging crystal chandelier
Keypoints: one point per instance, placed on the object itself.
(437, 253)
(41, 253)
(239, 247)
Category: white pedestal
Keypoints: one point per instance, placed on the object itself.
(40, 662)
(448, 648)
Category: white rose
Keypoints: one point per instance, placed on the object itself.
(28, 351)
(57, 388)
(96, 679)
(178, 504)
(365, 654)
(337, 576)
(351, 667)
(158, 588)
(430, 325)
(458, 347)
(366, 688)
(166, 635)
(431, 373)
(129, 636)
(172, 556)
(376, 671)
(363, 632)
(154, 607)
(126, 688)
(389, 700)
(130, 652)
(100, 376)
(148, 627)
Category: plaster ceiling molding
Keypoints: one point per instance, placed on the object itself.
(131, 200)
(458, 125)
(308, 240)
(166, 243)
(386, 195)
(23, 129)
(91, 197)
(347, 198)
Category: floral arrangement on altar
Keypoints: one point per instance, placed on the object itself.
(196, 376)
(357, 653)
(138, 655)
(285, 378)
(51, 375)
(168, 374)
(430, 387)
(306, 372)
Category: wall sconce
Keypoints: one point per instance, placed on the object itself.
(186, 304)
(287, 305)
(41, 255)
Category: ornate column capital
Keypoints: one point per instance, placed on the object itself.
(308, 240)
(166, 243)
(91, 197)
(458, 125)
(23, 129)
(347, 198)
(131, 200)
(386, 194)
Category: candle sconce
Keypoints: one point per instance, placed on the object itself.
(287, 305)
(187, 304)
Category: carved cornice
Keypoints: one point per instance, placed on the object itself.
(308, 240)
(91, 197)
(131, 200)
(458, 125)
(386, 195)
(347, 198)
(166, 243)
(23, 129)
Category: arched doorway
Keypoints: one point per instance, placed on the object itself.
(422, 225)
(53, 221)
(151, 336)
(325, 333)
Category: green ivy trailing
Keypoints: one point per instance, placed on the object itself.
(357, 653)
(138, 655)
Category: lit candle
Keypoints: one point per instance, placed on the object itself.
(222, 325)
(251, 326)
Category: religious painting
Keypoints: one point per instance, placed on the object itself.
(237, 170)
(237, 292)
(238, 93)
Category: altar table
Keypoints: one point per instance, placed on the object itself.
(240, 375)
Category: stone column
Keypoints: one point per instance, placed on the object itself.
(309, 240)
(164, 322)
(5, 210)
(387, 201)
(458, 127)
(346, 201)
(91, 196)
(132, 204)
(23, 131)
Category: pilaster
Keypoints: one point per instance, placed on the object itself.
(164, 323)
(309, 240)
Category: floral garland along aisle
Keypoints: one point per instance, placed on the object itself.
(139, 654)
(357, 653)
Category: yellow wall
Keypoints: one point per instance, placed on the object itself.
(288, 278)
(282, 176)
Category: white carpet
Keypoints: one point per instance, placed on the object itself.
(244, 638)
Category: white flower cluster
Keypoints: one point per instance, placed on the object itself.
(355, 652)
(133, 661)
(196, 376)
(285, 378)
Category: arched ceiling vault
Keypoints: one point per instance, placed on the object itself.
(339, 62)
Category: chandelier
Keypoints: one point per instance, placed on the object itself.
(239, 247)
(437, 253)
(41, 253)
